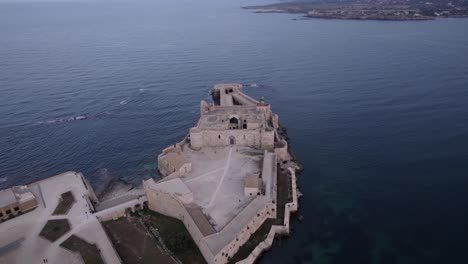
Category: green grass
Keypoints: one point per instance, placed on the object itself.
(54, 229)
(175, 236)
(132, 242)
(65, 204)
(89, 252)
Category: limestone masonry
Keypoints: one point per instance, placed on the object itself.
(221, 180)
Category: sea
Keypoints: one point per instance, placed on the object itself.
(376, 111)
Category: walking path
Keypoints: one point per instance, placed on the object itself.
(218, 187)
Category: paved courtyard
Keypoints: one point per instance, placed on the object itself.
(217, 180)
(20, 241)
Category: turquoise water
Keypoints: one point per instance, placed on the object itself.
(376, 111)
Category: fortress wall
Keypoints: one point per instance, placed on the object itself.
(197, 235)
(275, 120)
(162, 202)
(268, 211)
(221, 138)
(268, 139)
(196, 138)
(168, 205)
(265, 109)
(119, 210)
(281, 150)
(276, 229)
(163, 166)
(166, 168)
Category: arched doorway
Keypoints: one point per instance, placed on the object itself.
(232, 140)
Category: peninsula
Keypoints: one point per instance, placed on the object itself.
(369, 10)
(226, 190)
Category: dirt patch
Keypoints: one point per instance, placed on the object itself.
(89, 252)
(134, 243)
(65, 204)
(54, 229)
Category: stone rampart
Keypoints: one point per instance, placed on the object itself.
(169, 205)
(223, 256)
(276, 229)
(222, 138)
(120, 210)
(281, 150)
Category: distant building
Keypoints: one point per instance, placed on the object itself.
(16, 200)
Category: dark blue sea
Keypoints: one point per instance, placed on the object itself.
(377, 111)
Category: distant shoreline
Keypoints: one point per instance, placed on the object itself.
(356, 10)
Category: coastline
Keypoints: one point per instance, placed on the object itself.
(356, 10)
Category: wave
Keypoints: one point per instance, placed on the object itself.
(73, 118)
(64, 119)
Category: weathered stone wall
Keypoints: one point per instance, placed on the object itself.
(162, 202)
(222, 138)
(276, 229)
(281, 150)
(268, 211)
(120, 210)
(167, 204)
(166, 168)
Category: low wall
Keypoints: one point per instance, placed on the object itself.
(120, 210)
(276, 229)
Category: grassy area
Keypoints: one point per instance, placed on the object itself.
(133, 242)
(284, 196)
(175, 236)
(89, 252)
(65, 204)
(54, 229)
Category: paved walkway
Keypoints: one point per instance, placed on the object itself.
(20, 241)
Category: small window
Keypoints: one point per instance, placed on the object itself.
(16, 208)
(1, 214)
(219, 136)
(8, 211)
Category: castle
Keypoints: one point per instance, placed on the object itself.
(224, 180)
(221, 179)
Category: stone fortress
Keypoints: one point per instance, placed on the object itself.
(221, 180)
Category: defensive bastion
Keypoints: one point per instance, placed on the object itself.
(221, 179)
